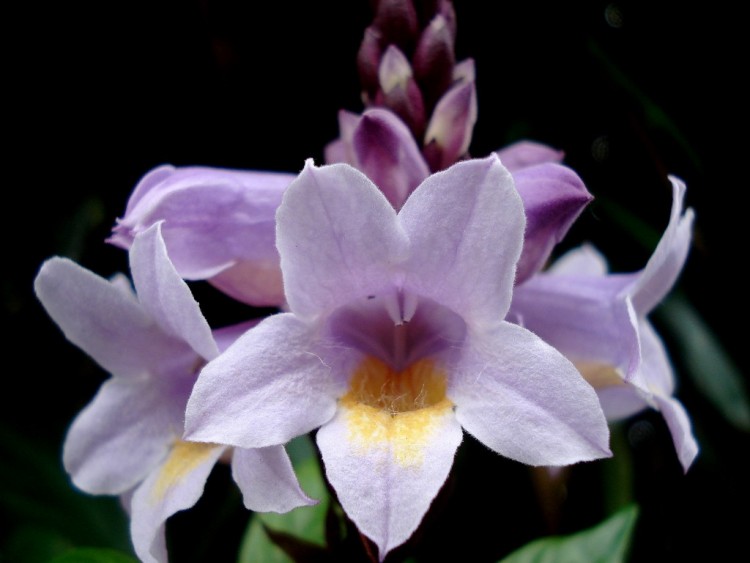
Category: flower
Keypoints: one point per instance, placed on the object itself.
(209, 216)
(128, 440)
(406, 63)
(451, 126)
(600, 321)
(379, 144)
(395, 340)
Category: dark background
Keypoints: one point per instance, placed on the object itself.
(99, 93)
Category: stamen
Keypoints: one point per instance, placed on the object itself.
(392, 303)
(376, 384)
(409, 305)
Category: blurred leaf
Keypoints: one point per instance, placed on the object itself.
(617, 471)
(709, 366)
(92, 555)
(607, 542)
(33, 544)
(303, 530)
(36, 493)
(257, 546)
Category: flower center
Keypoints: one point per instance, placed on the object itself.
(395, 411)
(376, 384)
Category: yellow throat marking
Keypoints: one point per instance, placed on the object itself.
(399, 410)
(599, 375)
(184, 458)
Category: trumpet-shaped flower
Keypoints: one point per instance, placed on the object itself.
(128, 440)
(600, 322)
(218, 226)
(395, 340)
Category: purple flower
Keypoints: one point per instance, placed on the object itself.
(128, 440)
(406, 60)
(395, 340)
(218, 226)
(379, 144)
(399, 91)
(449, 131)
(599, 321)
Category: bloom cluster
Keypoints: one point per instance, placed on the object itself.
(414, 306)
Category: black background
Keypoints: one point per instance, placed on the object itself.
(99, 93)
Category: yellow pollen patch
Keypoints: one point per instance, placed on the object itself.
(599, 375)
(184, 457)
(395, 409)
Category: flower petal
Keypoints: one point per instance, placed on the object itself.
(527, 153)
(255, 282)
(621, 401)
(584, 317)
(123, 433)
(338, 237)
(584, 260)
(655, 373)
(553, 198)
(226, 336)
(338, 151)
(368, 62)
(679, 426)
(434, 58)
(449, 131)
(267, 480)
(210, 215)
(386, 470)
(388, 154)
(466, 228)
(175, 485)
(165, 296)
(101, 318)
(342, 149)
(666, 263)
(267, 388)
(523, 399)
(399, 90)
(152, 181)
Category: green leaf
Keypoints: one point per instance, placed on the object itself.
(300, 530)
(29, 543)
(706, 362)
(257, 546)
(607, 542)
(37, 496)
(92, 555)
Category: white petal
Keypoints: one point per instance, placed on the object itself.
(387, 470)
(523, 399)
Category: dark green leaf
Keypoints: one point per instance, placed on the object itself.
(36, 494)
(92, 555)
(708, 365)
(607, 542)
(302, 529)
